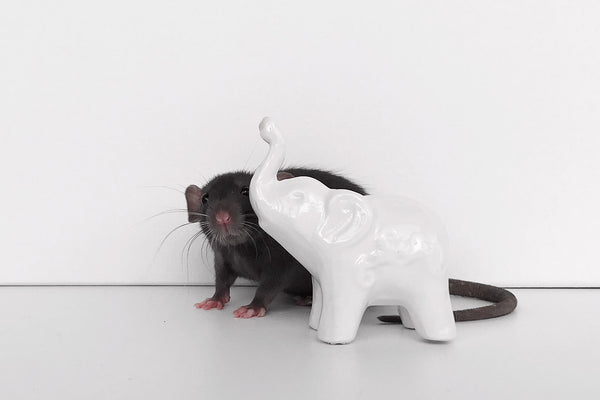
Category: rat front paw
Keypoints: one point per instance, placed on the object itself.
(250, 311)
(213, 302)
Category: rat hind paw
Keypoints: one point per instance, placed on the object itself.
(303, 300)
(212, 302)
(250, 311)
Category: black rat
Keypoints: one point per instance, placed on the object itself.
(242, 249)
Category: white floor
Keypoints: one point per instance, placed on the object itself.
(151, 343)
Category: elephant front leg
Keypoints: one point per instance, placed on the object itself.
(341, 314)
(431, 313)
(317, 304)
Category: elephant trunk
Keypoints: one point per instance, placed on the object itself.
(269, 132)
(266, 173)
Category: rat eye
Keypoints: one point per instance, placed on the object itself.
(205, 199)
(245, 191)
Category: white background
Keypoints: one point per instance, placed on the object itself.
(488, 112)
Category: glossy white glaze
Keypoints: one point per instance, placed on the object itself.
(360, 250)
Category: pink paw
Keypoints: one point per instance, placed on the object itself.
(210, 303)
(250, 312)
(303, 300)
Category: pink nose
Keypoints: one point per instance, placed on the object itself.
(223, 218)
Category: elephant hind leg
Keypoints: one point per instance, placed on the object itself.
(317, 304)
(303, 300)
(405, 317)
(432, 316)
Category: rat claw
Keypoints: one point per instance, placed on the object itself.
(246, 312)
(210, 303)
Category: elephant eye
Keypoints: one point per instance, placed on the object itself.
(205, 199)
(245, 191)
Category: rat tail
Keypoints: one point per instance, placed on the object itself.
(504, 302)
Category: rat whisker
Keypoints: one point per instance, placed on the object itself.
(175, 210)
(253, 242)
(203, 224)
(251, 153)
(204, 251)
(168, 235)
(196, 213)
(251, 218)
(256, 228)
(268, 251)
(263, 240)
(205, 247)
(163, 187)
(249, 224)
(260, 235)
(252, 230)
(188, 246)
(188, 255)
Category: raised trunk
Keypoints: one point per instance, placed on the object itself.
(265, 175)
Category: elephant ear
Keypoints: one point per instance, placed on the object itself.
(347, 218)
(283, 175)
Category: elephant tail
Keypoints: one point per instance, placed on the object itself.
(504, 302)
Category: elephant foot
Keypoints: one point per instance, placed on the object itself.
(343, 336)
(340, 319)
(432, 316)
(213, 302)
(405, 317)
(303, 300)
(250, 311)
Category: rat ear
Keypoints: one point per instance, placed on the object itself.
(193, 196)
(282, 175)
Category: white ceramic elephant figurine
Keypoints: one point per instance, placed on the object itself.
(360, 250)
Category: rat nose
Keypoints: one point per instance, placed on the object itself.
(223, 218)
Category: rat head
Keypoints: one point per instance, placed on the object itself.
(222, 207)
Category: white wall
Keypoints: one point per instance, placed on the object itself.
(486, 111)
